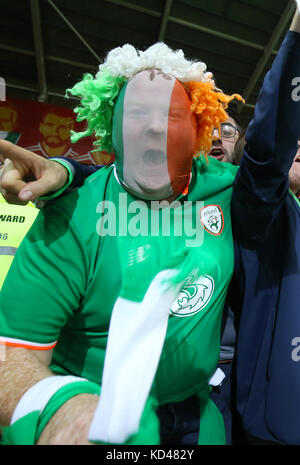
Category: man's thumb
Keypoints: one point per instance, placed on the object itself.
(33, 190)
(26, 195)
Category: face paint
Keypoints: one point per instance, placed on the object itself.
(154, 133)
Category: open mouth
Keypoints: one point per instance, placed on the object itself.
(153, 158)
(217, 152)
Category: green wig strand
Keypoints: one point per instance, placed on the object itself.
(98, 96)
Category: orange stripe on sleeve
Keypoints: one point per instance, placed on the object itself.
(26, 345)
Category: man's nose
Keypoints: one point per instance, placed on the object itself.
(216, 134)
(156, 124)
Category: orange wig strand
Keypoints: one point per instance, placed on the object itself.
(208, 105)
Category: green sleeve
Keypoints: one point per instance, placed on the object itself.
(46, 281)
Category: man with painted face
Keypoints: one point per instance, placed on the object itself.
(140, 138)
(154, 136)
(125, 303)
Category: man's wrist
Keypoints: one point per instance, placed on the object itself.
(70, 169)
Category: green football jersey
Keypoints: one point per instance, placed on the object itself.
(67, 275)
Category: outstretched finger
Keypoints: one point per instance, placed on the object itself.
(15, 152)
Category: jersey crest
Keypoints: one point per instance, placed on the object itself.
(212, 219)
(193, 297)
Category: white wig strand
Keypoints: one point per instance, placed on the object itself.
(127, 61)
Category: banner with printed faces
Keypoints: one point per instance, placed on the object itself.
(46, 129)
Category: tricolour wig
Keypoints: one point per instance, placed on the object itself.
(98, 95)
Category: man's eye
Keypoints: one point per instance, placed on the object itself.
(175, 114)
(136, 112)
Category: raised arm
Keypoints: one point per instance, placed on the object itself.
(262, 181)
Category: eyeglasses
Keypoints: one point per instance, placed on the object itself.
(228, 131)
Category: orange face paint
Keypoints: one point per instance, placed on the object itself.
(181, 138)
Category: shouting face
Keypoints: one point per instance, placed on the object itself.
(154, 136)
(224, 143)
